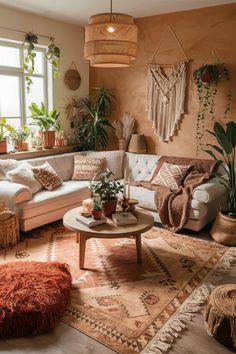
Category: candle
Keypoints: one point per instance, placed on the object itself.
(87, 205)
(124, 193)
(128, 189)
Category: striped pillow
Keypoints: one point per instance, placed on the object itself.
(170, 175)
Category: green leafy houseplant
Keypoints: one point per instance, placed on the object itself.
(226, 139)
(53, 56)
(92, 126)
(18, 136)
(29, 58)
(104, 98)
(107, 189)
(206, 79)
(5, 131)
(47, 121)
(97, 207)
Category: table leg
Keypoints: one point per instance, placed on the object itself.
(77, 237)
(139, 248)
(82, 247)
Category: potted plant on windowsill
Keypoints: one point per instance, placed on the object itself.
(5, 131)
(107, 189)
(224, 228)
(19, 138)
(47, 121)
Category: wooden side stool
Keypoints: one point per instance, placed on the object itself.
(220, 314)
(9, 232)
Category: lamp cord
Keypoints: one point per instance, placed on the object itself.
(110, 10)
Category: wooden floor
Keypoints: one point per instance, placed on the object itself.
(66, 340)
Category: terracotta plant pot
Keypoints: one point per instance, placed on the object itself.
(3, 146)
(224, 230)
(25, 145)
(109, 207)
(18, 145)
(97, 214)
(48, 139)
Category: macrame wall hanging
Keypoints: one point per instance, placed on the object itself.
(166, 93)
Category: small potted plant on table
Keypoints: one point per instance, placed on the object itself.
(107, 188)
(97, 208)
(5, 130)
(47, 122)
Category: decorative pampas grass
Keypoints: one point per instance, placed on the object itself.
(124, 129)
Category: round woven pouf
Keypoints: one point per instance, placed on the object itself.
(33, 296)
(220, 314)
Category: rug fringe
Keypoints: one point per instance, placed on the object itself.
(172, 329)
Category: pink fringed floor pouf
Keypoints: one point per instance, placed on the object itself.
(33, 296)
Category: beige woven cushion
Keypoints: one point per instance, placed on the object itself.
(23, 174)
(47, 176)
(170, 175)
(87, 167)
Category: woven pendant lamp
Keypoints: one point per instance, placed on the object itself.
(110, 40)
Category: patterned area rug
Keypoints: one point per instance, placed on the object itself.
(130, 307)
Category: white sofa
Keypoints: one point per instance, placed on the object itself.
(47, 206)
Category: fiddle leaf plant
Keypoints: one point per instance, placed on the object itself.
(207, 78)
(226, 149)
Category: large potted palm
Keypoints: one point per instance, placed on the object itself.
(47, 121)
(93, 123)
(5, 131)
(107, 189)
(224, 228)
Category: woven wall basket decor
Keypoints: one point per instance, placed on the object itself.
(72, 78)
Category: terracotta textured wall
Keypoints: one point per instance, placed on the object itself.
(200, 31)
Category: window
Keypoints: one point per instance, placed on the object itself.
(14, 99)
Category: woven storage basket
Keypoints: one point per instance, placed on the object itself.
(9, 232)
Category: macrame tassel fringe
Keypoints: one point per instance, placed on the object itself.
(171, 330)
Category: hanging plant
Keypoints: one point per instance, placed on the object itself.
(53, 56)
(206, 79)
(29, 58)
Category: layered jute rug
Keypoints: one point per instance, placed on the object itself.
(130, 307)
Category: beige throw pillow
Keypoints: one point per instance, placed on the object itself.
(170, 175)
(6, 166)
(47, 176)
(23, 174)
(86, 167)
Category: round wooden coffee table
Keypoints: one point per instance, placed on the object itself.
(145, 221)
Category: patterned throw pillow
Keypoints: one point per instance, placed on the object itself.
(86, 167)
(47, 176)
(170, 175)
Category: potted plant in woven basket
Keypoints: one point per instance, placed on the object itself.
(107, 188)
(224, 228)
(5, 131)
(47, 121)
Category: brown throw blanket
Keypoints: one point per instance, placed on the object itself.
(174, 206)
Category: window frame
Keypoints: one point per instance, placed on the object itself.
(47, 76)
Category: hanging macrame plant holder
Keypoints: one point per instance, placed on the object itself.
(166, 94)
(72, 78)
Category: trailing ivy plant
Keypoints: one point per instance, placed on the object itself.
(29, 58)
(53, 56)
(206, 79)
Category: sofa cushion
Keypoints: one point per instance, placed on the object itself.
(47, 176)
(23, 174)
(70, 193)
(86, 168)
(170, 175)
(5, 166)
(114, 160)
(139, 167)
